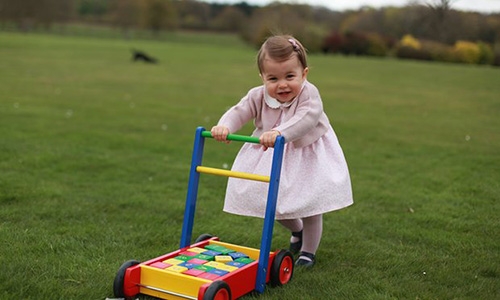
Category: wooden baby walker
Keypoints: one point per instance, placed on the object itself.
(211, 269)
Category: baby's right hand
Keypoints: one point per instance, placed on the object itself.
(220, 133)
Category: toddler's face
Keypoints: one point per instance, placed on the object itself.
(283, 80)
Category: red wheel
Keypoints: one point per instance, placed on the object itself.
(282, 268)
(119, 281)
(218, 290)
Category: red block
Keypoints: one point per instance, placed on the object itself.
(209, 276)
(160, 265)
(197, 261)
(194, 272)
(188, 253)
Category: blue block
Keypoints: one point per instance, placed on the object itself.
(235, 264)
(218, 272)
(211, 253)
(188, 265)
(236, 255)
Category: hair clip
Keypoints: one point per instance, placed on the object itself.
(294, 44)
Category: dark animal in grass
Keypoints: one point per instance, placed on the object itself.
(142, 56)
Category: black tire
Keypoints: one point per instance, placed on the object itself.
(218, 290)
(282, 268)
(120, 278)
(203, 237)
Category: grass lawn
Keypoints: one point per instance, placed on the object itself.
(95, 153)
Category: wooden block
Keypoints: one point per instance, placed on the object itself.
(204, 257)
(188, 253)
(218, 272)
(227, 268)
(209, 276)
(213, 264)
(176, 269)
(194, 272)
(223, 258)
(197, 261)
(214, 247)
(211, 253)
(197, 250)
(244, 260)
(226, 251)
(160, 265)
(184, 257)
(235, 264)
(188, 265)
(236, 255)
(204, 268)
(173, 261)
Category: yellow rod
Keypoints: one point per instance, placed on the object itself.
(228, 173)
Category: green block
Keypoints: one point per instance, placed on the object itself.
(226, 251)
(203, 256)
(183, 257)
(217, 248)
(244, 260)
(203, 268)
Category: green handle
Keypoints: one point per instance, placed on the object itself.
(234, 137)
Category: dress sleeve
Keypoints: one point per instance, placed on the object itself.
(241, 113)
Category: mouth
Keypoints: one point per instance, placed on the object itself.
(284, 93)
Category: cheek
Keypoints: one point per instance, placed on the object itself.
(269, 88)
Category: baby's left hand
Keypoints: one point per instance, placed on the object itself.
(268, 138)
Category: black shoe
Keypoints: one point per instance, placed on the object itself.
(295, 247)
(303, 262)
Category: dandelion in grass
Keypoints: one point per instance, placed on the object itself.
(16, 105)
(164, 127)
(206, 119)
(69, 113)
(150, 178)
(467, 138)
(225, 165)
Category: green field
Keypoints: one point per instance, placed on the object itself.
(95, 153)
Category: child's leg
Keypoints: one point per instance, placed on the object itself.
(295, 226)
(313, 228)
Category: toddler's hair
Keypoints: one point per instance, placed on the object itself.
(281, 48)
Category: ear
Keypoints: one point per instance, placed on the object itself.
(261, 78)
(304, 73)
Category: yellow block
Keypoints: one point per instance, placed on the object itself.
(176, 269)
(227, 268)
(236, 174)
(173, 261)
(223, 258)
(197, 250)
(251, 252)
(214, 264)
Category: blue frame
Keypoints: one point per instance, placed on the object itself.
(272, 196)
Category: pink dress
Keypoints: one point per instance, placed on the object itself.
(314, 175)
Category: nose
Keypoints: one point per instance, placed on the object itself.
(282, 84)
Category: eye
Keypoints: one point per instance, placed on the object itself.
(272, 79)
(290, 76)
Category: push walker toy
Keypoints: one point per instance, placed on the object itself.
(211, 269)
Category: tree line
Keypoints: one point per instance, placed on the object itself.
(365, 31)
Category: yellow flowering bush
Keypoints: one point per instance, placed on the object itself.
(409, 41)
(467, 52)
